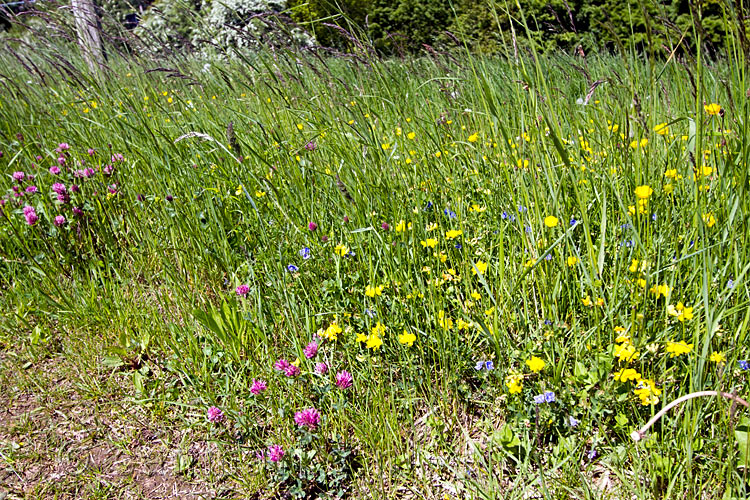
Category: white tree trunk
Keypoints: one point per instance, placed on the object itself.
(89, 38)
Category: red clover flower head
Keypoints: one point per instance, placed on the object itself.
(215, 415)
(311, 350)
(344, 379)
(275, 453)
(309, 418)
(258, 387)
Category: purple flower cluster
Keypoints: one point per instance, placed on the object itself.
(309, 418)
(311, 350)
(30, 214)
(287, 368)
(215, 415)
(275, 453)
(242, 290)
(344, 379)
(258, 386)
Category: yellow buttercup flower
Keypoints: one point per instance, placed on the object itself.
(453, 233)
(718, 357)
(551, 221)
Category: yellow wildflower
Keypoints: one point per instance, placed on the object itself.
(677, 348)
(535, 364)
(407, 338)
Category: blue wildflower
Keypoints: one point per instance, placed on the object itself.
(744, 364)
(305, 253)
(730, 283)
(539, 399)
(450, 213)
(292, 268)
(572, 421)
(549, 397)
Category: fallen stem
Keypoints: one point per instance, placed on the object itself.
(638, 435)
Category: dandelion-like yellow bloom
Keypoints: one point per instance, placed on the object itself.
(535, 364)
(474, 137)
(712, 109)
(718, 357)
(644, 192)
(571, 261)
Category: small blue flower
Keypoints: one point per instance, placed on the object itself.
(730, 284)
(539, 399)
(450, 213)
(528, 228)
(548, 322)
(484, 365)
(549, 397)
(591, 454)
(573, 422)
(521, 208)
(370, 313)
(744, 364)
(548, 256)
(504, 215)
(292, 268)
(653, 216)
(428, 206)
(573, 221)
(305, 253)
(458, 246)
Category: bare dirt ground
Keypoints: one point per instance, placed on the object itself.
(60, 438)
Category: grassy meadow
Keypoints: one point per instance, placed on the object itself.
(288, 276)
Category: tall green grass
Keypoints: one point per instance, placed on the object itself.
(148, 274)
